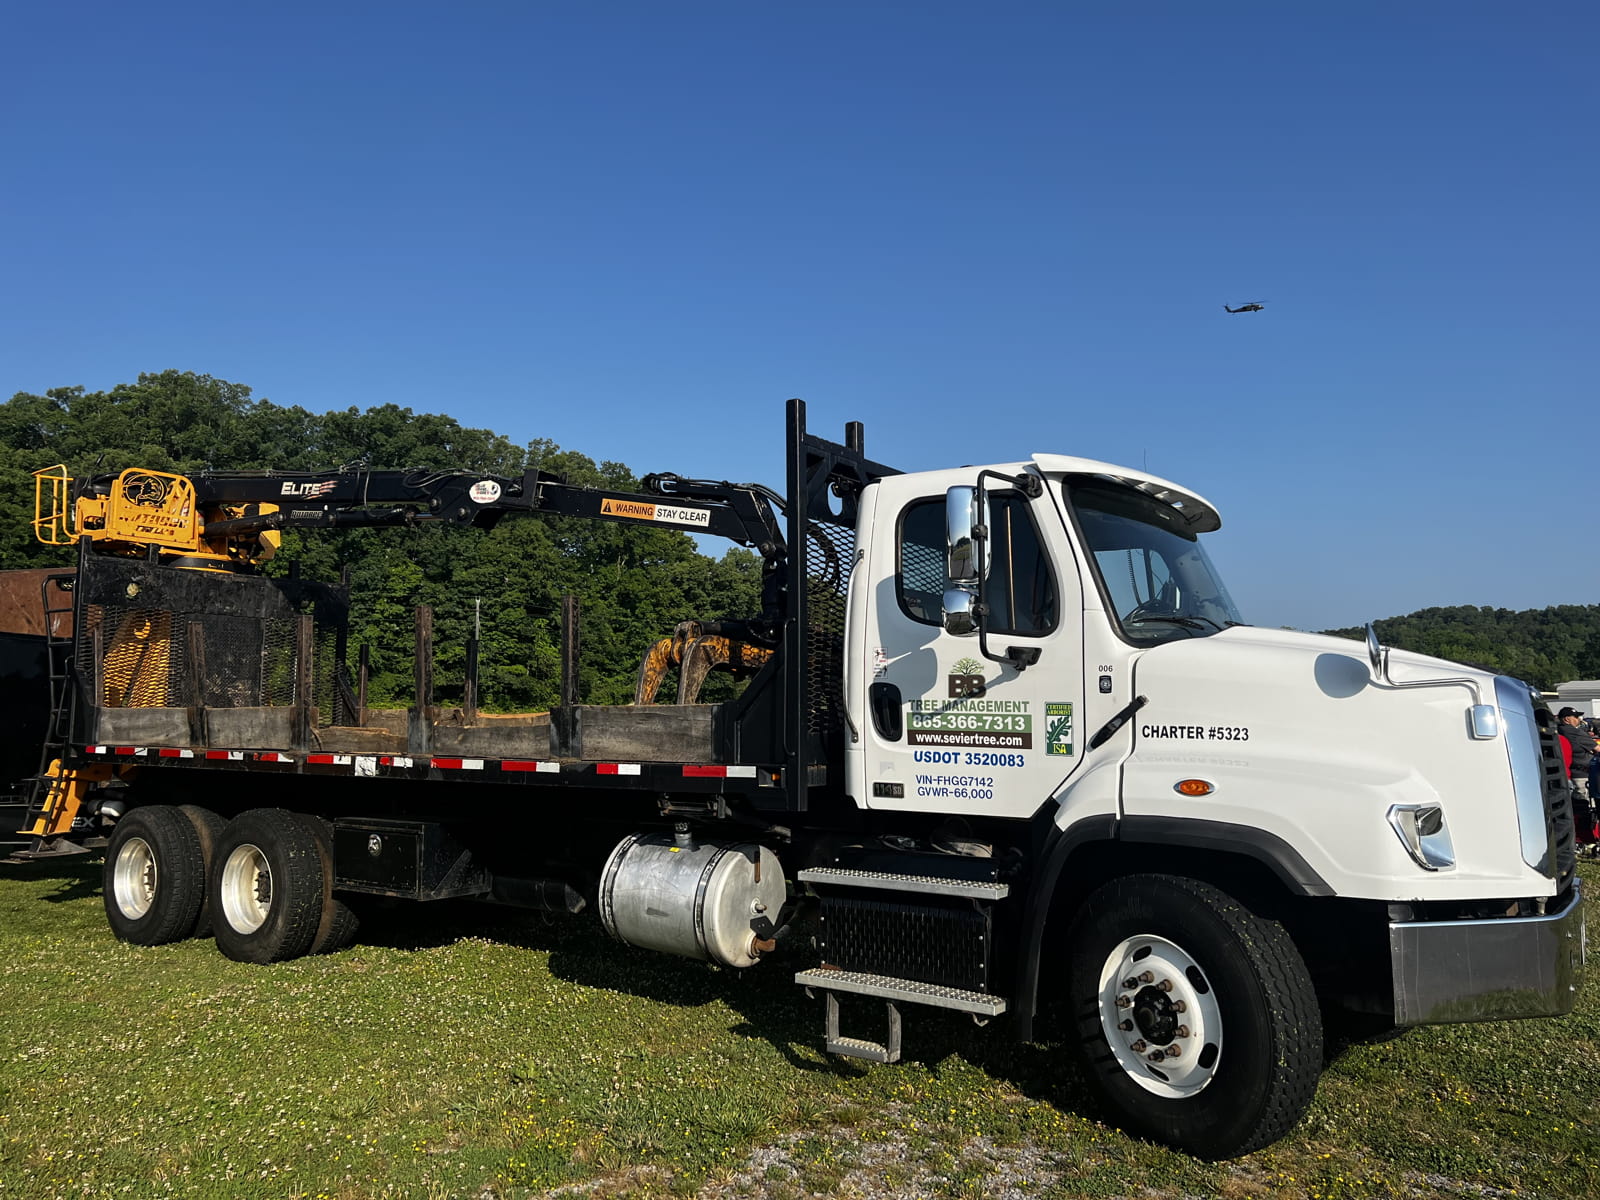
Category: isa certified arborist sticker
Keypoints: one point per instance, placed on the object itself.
(1058, 727)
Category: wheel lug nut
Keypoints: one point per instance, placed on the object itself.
(1183, 1031)
(1124, 1001)
(1138, 1047)
(1125, 1026)
(1156, 1056)
(1130, 983)
(1180, 1006)
(1174, 1051)
(1147, 977)
(1165, 985)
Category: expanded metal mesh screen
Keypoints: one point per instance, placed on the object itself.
(830, 551)
(170, 641)
(943, 945)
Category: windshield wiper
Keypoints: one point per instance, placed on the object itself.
(1174, 619)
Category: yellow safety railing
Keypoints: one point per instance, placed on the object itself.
(50, 490)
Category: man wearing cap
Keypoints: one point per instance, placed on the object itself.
(1576, 731)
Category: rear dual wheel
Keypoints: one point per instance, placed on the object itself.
(155, 876)
(272, 889)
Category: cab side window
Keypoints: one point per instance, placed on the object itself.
(1019, 588)
(922, 561)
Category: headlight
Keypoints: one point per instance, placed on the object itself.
(1422, 831)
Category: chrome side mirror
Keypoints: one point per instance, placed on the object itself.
(960, 612)
(963, 527)
(962, 530)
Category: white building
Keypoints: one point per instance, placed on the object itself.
(1581, 694)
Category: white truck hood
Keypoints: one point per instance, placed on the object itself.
(1300, 741)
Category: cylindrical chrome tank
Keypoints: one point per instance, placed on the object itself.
(706, 900)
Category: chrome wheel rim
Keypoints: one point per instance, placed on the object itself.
(1160, 1016)
(246, 887)
(135, 878)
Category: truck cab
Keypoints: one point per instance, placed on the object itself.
(1042, 655)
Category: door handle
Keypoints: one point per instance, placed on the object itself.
(884, 700)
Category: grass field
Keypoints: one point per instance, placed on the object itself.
(464, 1052)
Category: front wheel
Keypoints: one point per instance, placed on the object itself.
(1195, 1019)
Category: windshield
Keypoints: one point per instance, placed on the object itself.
(1155, 574)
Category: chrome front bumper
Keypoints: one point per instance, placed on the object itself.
(1448, 971)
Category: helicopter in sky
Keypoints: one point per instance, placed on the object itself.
(1253, 306)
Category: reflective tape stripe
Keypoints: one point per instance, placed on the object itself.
(543, 768)
(616, 768)
(457, 764)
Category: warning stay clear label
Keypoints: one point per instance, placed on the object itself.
(672, 514)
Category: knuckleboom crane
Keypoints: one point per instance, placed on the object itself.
(232, 521)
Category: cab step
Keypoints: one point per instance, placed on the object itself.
(889, 881)
(894, 992)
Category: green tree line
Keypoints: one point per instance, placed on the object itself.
(633, 583)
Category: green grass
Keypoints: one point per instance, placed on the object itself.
(480, 1053)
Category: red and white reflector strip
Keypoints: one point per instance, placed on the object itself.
(172, 752)
(272, 756)
(457, 764)
(328, 760)
(542, 768)
(387, 760)
(708, 771)
(225, 755)
(616, 768)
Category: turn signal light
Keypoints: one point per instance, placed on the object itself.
(1193, 787)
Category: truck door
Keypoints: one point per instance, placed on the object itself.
(945, 728)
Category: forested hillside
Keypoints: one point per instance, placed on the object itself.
(1544, 646)
(634, 583)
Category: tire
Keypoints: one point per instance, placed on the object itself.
(267, 892)
(339, 923)
(1161, 964)
(155, 877)
(208, 827)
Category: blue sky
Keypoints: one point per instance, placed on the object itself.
(983, 230)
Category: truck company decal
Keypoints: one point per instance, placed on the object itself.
(674, 514)
(993, 724)
(966, 679)
(485, 491)
(1058, 727)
